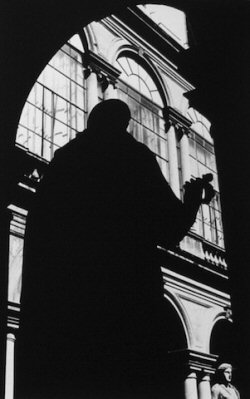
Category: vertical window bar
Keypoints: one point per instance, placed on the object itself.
(43, 133)
(53, 118)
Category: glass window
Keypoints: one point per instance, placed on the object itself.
(138, 90)
(138, 78)
(55, 109)
(202, 161)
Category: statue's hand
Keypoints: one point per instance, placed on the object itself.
(199, 190)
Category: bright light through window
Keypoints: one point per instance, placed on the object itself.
(138, 78)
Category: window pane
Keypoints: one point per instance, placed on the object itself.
(136, 76)
(200, 153)
(202, 161)
(207, 232)
(55, 109)
(147, 124)
(147, 118)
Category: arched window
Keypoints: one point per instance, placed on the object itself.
(55, 109)
(202, 160)
(137, 88)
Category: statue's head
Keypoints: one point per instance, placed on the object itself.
(109, 115)
(224, 372)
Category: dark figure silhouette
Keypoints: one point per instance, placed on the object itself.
(92, 323)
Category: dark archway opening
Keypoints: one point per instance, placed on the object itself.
(223, 344)
(174, 341)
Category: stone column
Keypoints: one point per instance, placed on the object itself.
(173, 162)
(204, 387)
(185, 158)
(5, 217)
(189, 364)
(92, 91)
(9, 373)
(190, 386)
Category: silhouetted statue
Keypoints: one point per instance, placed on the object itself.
(223, 389)
(91, 322)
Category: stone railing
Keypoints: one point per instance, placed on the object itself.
(204, 250)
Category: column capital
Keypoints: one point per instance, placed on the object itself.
(175, 118)
(106, 73)
(205, 377)
(196, 361)
(13, 318)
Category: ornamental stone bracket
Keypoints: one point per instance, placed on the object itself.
(174, 118)
(199, 307)
(106, 73)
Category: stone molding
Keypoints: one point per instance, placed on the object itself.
(106, 73)
(193, 360)
(176, 119)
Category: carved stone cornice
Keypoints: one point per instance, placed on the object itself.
(106, 73)
(13, 317)
(174, 118)
(18, 222)
(195, 360)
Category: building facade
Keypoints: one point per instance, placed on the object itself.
(134, 57)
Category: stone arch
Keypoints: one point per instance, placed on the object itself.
(90, 38)
(117, 46)
(174, 341)
(120, 45)
(144, 60)
(222, 340)
(182, 316)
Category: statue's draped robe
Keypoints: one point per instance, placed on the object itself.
(92, 319)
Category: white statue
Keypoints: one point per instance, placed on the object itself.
(223, 389)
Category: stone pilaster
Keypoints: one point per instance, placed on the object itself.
(92, 89)
(173, 162)
(177, 127)
(185, 158)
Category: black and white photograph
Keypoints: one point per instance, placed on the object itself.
(124, 199)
